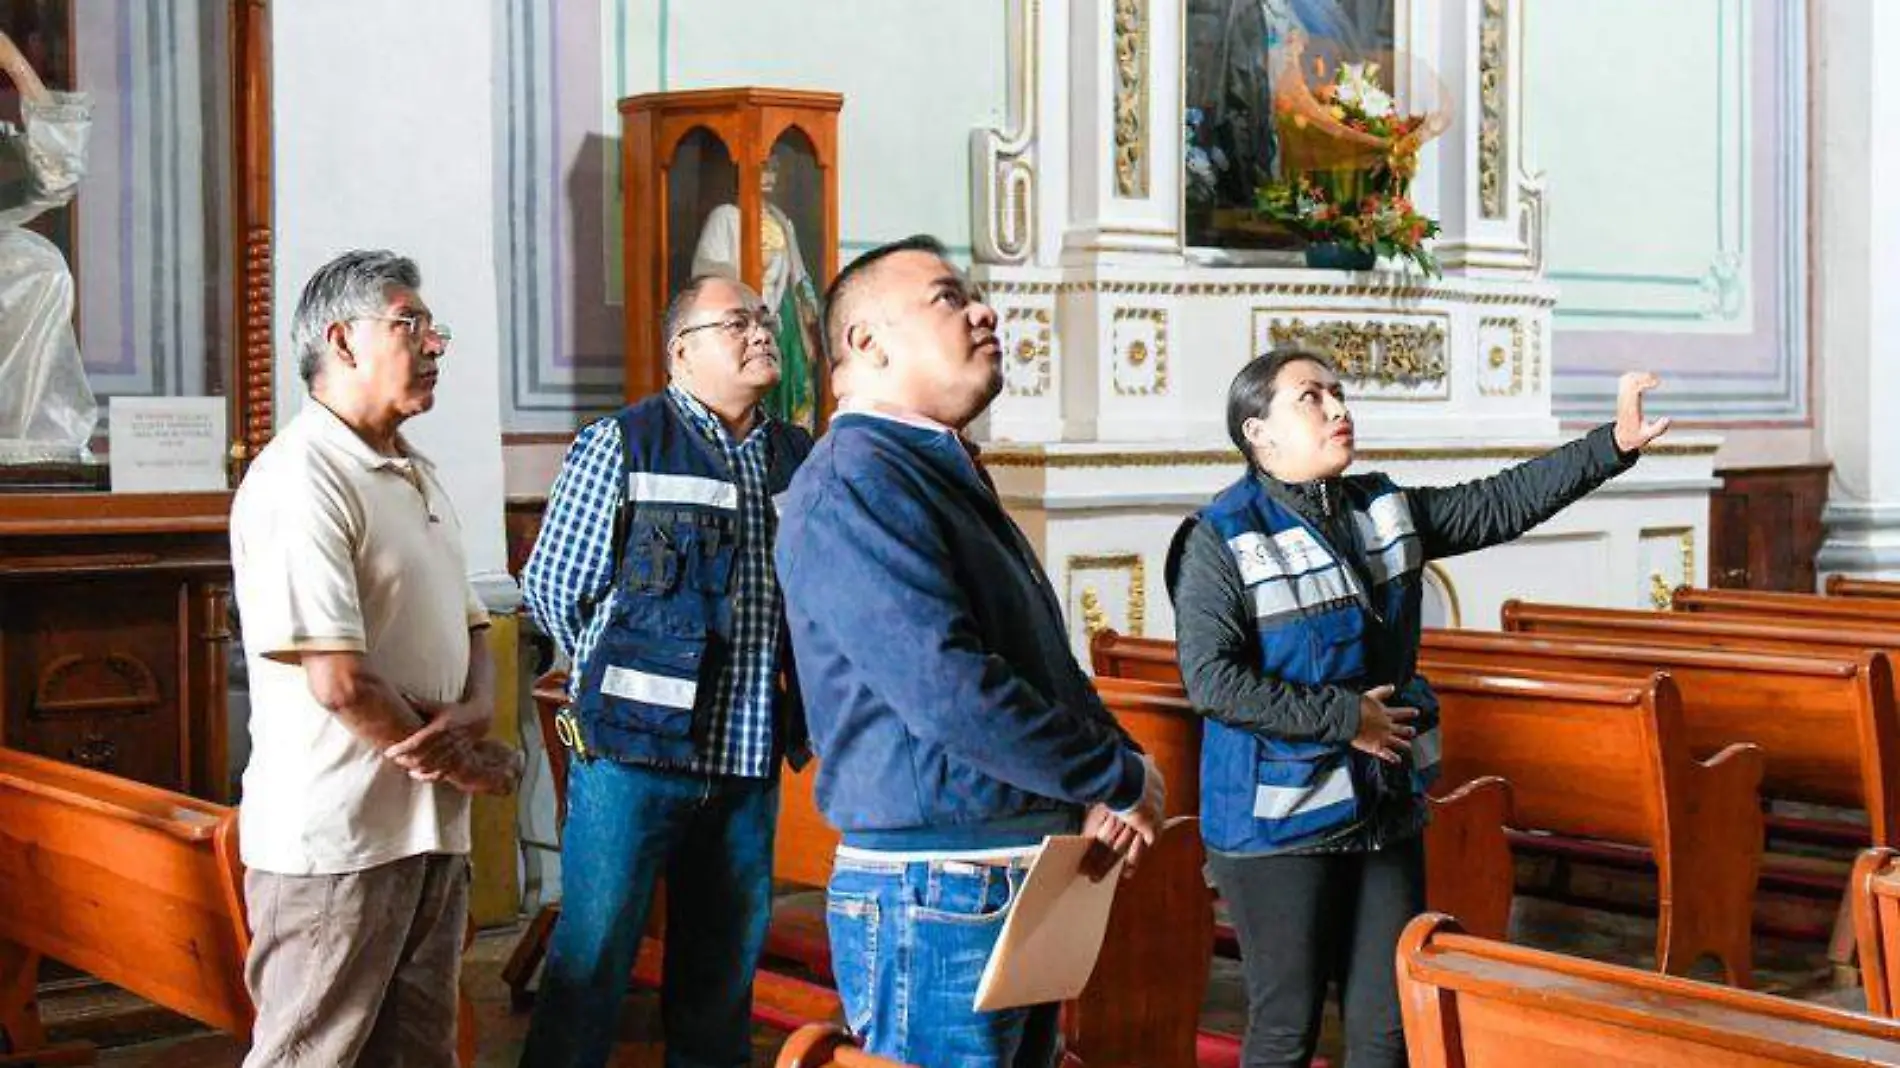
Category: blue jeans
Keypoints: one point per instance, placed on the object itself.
(711, 835)
(908, 946)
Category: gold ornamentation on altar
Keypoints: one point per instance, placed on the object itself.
(1661, 589)
(1501, 385)
(1141, 361)
(1387, 353)
(1094, 620)
(1131, 98)
(1409, 293)
(1491, 78)
(1026, 334)
(1094, 617)
(1036, 460)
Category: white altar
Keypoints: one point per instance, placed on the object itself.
(1119, 340)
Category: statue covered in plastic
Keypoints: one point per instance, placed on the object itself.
(787, 290)
(47, 408)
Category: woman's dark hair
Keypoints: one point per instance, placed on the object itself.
(1252, 390)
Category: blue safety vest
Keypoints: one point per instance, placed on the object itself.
(645, 688)
(1318, 621)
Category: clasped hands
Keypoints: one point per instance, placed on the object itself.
(452, 746)
(1124, 837)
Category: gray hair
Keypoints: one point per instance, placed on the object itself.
(684, 300)
(357, 283)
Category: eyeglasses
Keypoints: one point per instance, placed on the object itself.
(417, 326)
(738, 324)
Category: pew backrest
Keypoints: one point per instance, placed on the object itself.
(137, 885)
(1848, 586)
(1474, 1001)
(1608, 759)
(1827, 724)
(1124, 656)
(1874, 890)
(1779, 605)
(1159, 718)
(1791, 635)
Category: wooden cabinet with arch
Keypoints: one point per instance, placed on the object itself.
(740, 182)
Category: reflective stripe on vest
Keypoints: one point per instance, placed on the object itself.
(651, 488)
(649, 689)
(1390, 541)
(1283, 802)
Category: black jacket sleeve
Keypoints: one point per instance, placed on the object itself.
(1488, 511)
(1219, 650)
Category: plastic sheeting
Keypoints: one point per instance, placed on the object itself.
(47, 408)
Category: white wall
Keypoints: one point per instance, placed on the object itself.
(1858, 268)
(384, 132)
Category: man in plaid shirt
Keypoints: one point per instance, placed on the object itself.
(653, 572)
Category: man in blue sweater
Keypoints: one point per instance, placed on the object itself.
(953, 727)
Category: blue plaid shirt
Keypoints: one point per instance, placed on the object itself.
(568, 582)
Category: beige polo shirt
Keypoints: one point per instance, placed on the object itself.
(337, 548)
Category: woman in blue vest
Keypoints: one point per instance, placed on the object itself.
(1296, 596)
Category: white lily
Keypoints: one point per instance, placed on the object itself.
(1358, 86)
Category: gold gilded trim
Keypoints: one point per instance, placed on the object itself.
(1000, 457)
(1398, 294)
(1132, 357)
(1094, 618)
(1451, 591)
(1499, 356)
(1661, 590)
(1131, 98)
(1491, 83)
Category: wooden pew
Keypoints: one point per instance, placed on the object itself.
(1609, 760)
(823, 1045)
(137, 885)
(1788, 635)
(1827, 726)
(1123, 656)
(1473, 1001)
(1875, 891)
(1468, 870)
(1778, 606)
(1845, 586)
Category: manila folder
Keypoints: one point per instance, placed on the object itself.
(1054, 930)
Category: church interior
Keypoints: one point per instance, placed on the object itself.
(1666, 825)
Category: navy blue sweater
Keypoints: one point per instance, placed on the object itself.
(945, 706)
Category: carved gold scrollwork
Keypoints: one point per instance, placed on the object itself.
(1382, 352)
(1131, 98)
(1662, 587)
(1094, 617)
(1491, 117)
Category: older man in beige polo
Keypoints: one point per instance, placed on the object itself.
(371, 690)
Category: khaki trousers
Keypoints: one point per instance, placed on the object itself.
(357, 969)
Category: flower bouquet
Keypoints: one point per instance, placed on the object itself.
(1349, 155)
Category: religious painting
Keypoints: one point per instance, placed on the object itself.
(1233, 51)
